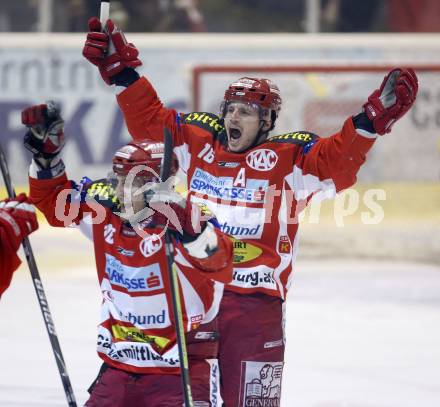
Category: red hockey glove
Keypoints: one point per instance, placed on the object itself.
(97, 47)
(392, 100)
(45, 138)
(97, 43)
(17, 216)
(210, 251)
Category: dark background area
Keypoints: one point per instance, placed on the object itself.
(225, 15)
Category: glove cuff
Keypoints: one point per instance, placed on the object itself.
(125, 78)
(362, 122)
(54, 169)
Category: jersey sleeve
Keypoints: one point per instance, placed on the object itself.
(146, 117)
(206, 275)
(330, 164)
(64, 203)
(145, 114)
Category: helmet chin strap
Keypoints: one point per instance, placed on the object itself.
(260, 137)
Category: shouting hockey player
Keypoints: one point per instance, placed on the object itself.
(256, 185)
(136, 336)
(17, 220)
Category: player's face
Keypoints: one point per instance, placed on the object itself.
(131, 193)
(243, 123)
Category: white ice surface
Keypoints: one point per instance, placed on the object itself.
(360, 334)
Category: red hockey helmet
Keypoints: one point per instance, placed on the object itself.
(146, 153)
(262, 92)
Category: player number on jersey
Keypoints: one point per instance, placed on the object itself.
(207, 153)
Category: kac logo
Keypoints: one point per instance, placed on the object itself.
(150, 245)
(262, 159)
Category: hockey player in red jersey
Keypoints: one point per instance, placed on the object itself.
(17, 220)
(136, 335)
(256, 185)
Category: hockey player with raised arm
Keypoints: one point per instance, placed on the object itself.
(256, 185)
(136, 334)
(17, 220)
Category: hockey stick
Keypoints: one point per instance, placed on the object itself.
(165, 170)
(44, 306)
(104, 15)
(105, 11)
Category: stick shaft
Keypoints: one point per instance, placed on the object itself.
(175, 293)
(41, 296)
(103, 17)
(105, 11)
(178, 321)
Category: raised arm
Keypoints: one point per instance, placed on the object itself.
(144, 113)
(332, 163)
(62, 201)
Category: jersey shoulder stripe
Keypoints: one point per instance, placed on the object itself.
(207, 121)
(103, 193)
(300, 138)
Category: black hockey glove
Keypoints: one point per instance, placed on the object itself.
(45, 137)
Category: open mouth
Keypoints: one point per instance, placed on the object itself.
(234, 134)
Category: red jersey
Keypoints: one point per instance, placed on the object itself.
(256, 195)
(9, 260)
(17, 220)
(136, 331)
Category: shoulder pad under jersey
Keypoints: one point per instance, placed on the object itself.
(103, 193)
(300, 138)
(207, 121)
